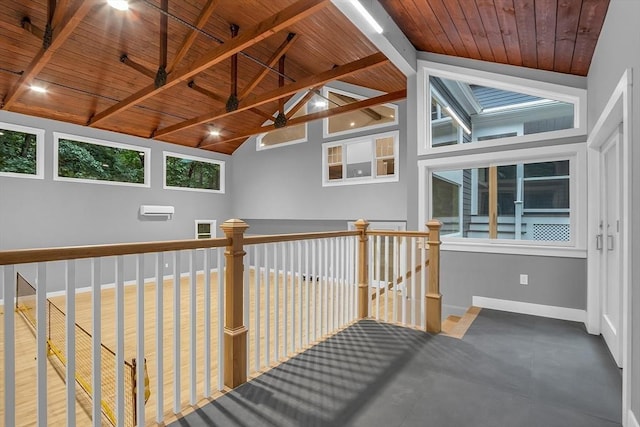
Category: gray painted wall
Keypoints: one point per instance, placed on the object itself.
(286, 182)
(616, 51)
(552, 281)
(46, 213)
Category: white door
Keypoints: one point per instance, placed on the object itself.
(609, 244)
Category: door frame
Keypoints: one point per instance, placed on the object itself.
(617, 111)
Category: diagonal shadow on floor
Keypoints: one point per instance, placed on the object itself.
(324, 386)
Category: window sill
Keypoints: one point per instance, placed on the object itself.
(514, 249)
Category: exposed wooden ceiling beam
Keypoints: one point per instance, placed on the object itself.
(164, 35)
(191, 36)
(138, 67)
(60, 9)
(282, 49)
(368, 111)
(28, 26)
(310, 94)
(359, 105)
(272, 25)
(206, 92)
(290, 89)
(40, 60)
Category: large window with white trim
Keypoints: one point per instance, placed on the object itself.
(21, 151)
(81, 159)
(520, 197)
(460, 109)
(183, 172)
(367, 159)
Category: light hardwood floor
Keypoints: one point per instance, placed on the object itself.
(25, 341)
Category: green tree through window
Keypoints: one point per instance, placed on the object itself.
(187, 173)
(84, 160)
(18, 152)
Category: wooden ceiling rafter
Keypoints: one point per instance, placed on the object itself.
(60, 33)
(302, 101)
(368, 111)
(336, 73)
(191, 36)
(59, 10)
(124, 58)
(355, 106)
(206, 92)
(161, 75)
(272, 25)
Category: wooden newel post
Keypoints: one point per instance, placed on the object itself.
(363, 269)
(434, 298)
(235, 332)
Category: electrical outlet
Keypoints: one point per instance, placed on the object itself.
(524, 279)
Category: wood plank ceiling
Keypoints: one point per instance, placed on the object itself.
(553, 35)
(100, 64)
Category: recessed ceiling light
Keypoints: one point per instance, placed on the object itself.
(38, 89)
(352, 124)
(119, 4)
(214, 132)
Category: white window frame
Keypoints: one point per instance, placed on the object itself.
(220, 163)
(57, 136)
(575, 96)
(325, 121)
(260, 147)
(575, 153)
(326, 182)
(39, 133)
(211, 222)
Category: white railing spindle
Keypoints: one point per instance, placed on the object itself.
(70, 341)
(276, 279)
(193, 297)
(256, 331)
(9, 346)
(423, 282)
(314, 282)
(292, 292)
(388, 291)
(267, 306)
(299, 286)
(396, 264)
(96, 341)
(414, 281)
(120, 408)
(221, 283)
(41, 340)
(285, 288)
(207, 323)
(159, 337)
(177, 400)
(140, 377)
(306, 291)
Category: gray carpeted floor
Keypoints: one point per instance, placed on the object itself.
(509, 370)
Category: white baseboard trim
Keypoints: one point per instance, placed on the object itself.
(562, 313)
(632, 421)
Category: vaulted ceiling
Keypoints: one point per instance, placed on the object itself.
(100, 66)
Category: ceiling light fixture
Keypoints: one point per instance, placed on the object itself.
(38, 89)
(365, 13)
(119, 4)
(214, 132)
(320, 104)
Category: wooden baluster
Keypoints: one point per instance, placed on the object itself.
(363, 269)
(235, 332)
(434, 298)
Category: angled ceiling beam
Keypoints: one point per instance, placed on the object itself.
(310, 94)
(138, 67)
(290, 89)
(28, 26)
(58, 13)
(368, 111)
(206, 92)
(191, 36)
(359, 105)
(274, 24)
(282, 49)
(40, 60)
